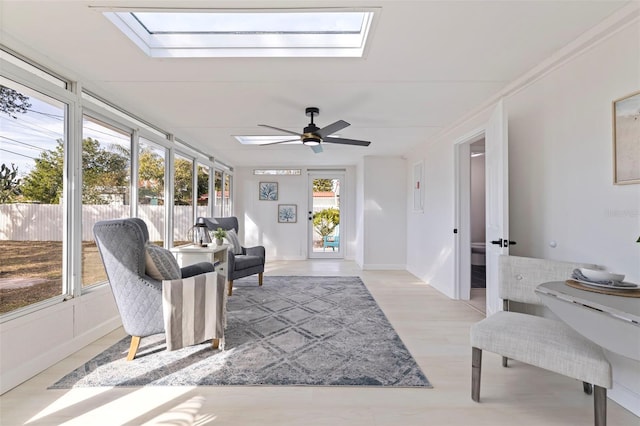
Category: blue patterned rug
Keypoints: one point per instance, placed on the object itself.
(294, 330)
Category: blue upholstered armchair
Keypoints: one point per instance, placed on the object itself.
(243, 261)
(122, 246)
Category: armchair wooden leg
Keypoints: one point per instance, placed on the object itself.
(260, 278)
(230, 291)
(476, 370)
(133, 348)
(215, 343)
(599, 406)
(505, 361)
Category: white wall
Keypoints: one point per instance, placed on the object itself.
(287, 241)
(560, 177)
(34, 342)
(384, 215)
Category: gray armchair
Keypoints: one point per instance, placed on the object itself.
(250, 262)
(122, 245)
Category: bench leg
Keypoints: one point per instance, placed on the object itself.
(476, 367)
(599, 406)
(230, 290)
(587, 388)
(505, 361)
(260, 278)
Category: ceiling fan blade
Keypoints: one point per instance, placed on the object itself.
(346, 141)
(332, 128)
(275, 143)
(279, 129)
(316, 148)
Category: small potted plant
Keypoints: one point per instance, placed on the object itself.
(219, 234)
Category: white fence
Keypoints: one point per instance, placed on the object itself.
(44, 222)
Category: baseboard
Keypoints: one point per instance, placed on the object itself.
(18, 375)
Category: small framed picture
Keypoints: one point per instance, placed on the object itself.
(268, 191)
(287, 213)
(626, 139)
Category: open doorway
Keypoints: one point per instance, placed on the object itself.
(494, 136)
(470, 213)
(477, 220)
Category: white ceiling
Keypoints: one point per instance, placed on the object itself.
(427, 64)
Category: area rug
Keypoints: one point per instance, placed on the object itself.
(294, 330)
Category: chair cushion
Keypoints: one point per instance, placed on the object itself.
(232, 237)
(544, 343)
(244, 262)
(160, 264)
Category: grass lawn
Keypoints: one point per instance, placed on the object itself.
(37, 268)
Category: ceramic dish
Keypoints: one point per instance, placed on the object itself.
(599, 275)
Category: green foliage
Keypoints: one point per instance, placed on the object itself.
(44, 183)
(104, 172)
(12, 102)
(9, 183)
(183, 190)
(325, 221)
(150, 175)
(219, 233)
(322, 185)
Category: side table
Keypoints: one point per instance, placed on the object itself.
(190, 254)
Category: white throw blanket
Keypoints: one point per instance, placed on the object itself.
(194, 310)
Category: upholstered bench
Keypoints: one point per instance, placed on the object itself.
(535, 340)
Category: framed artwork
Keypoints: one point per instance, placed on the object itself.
(268, 191)
(418, 190)
(626, 139)
(287, 213)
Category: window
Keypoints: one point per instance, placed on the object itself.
(32, 148)
(217, 211)
(183, 218)
(227, 208)
(151, 176)
(202, 198)
(106, 184)
(285, 172)
(59, 176)
(336, 32)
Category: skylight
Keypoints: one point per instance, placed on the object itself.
(247, 33)
(262, 139)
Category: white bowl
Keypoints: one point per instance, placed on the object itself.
(599, 275)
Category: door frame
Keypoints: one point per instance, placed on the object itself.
(328, 174)
(462, 173)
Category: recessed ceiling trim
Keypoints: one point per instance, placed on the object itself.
(335, 32)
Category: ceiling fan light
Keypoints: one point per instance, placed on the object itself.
(310, 139)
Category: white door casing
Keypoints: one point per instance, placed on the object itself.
(336, 251)
(497, 201)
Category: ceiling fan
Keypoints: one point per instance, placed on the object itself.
(312, 136)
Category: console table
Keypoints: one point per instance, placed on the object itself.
(612, 322)
(190, 254)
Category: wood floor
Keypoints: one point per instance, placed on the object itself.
(434, 328)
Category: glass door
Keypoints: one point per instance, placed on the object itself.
(324, 215)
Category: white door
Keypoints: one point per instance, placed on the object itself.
(497, 201)
(325, 230)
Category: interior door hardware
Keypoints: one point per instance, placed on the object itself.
(497, 242)
(512, 243)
